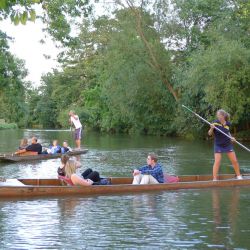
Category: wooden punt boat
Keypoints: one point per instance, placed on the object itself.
(53, 187)
(17, 158)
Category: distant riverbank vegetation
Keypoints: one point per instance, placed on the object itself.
(8, 126)
(130, 70)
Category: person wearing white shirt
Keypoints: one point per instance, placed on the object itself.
(74, 120)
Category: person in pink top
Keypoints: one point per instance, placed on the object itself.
(70, 172)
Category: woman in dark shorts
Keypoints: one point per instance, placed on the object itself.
(223, 144)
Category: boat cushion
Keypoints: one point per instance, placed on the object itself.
(66, 180)
(28, 153)
(171, 178)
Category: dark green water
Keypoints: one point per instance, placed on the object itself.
(194, 219)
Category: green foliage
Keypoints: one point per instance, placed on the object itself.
(12, 95)
(8, 126)
(130, 71)
(56, 14)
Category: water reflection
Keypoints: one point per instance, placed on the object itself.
(231, 212)
(195, 219)
(165, 220)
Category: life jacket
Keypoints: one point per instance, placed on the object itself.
(65, 179)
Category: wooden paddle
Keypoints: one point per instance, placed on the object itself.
(204, 120)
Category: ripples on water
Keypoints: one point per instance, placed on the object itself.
(174, 220)
(205, 219)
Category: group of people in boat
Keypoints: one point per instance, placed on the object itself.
(36, 148)
(151, 173)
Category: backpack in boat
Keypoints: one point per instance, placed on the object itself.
(171, 178)
(103, 181)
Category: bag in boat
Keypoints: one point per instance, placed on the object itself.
(171, 178)
(103, 181)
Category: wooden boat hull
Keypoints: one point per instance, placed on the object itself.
(51, 187)
(41, 157)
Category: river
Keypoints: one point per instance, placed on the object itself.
(190, 219)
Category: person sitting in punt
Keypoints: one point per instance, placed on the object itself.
(61, 169)
(53, 149)
(76, 180)
(150, 174)
(64, 160)
(34, 147)
(65, 148)
(23, 144)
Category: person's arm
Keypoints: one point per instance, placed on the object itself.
(155, 170)
(20, 151)
(75, 117)
(80, 181)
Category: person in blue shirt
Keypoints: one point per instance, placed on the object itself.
(150, 174)
(223, 144)
(53, 149)
(65, 148)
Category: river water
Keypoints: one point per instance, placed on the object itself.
(190, 219)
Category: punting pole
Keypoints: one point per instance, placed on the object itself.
(209, 123)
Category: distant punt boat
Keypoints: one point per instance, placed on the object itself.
(53, 187)
(16, 158)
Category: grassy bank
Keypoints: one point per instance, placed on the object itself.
(8, 126)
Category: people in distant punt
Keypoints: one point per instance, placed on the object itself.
(36, 148)
(151, 173)
(53, 149)
(23, 144)
(65, 148)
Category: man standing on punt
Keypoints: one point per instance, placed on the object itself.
(74, 119)
(150, 174)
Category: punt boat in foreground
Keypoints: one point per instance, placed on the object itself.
(119, 185)
(18, 158)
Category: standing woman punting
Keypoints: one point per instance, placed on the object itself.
(223, 144)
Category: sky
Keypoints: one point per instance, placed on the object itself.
(26, 46)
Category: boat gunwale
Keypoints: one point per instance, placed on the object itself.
(52, 190)
(12, 158)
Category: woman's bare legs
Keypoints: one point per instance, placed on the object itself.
(217, 160)
(232, 157)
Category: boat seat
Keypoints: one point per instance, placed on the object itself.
(11, 182)
(170, 178)
(28, 153)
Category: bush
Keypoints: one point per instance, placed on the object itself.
(8, 126)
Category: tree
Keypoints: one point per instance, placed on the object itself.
(12, 95)
(58, 15)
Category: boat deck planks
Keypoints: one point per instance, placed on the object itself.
(16, 158)
(54, 187)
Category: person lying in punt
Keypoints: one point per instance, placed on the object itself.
(53, 149)
(151, 173)
(88, 178)
(34, 147)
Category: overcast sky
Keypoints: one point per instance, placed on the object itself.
(26, 46)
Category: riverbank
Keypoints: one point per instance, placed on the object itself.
(8, 126)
